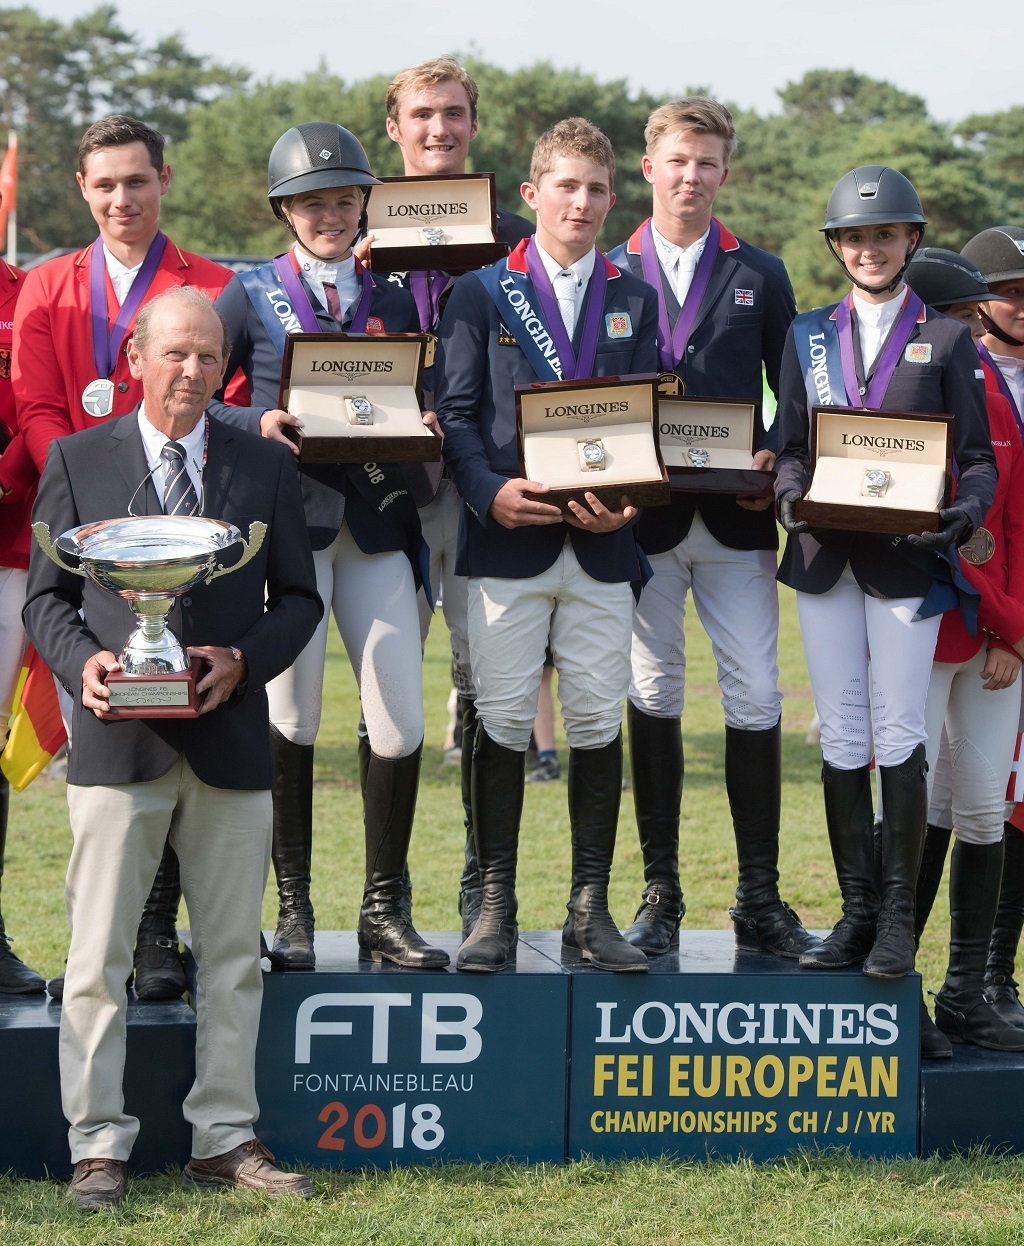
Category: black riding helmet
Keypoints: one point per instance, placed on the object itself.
(942, 278)
(317, 155)
(873, 194)
(999, 255)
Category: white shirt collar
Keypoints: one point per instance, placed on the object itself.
(121, 277)
(582, 269)
(153, 442)
(667, 251)
(342, 275)
(879, 315)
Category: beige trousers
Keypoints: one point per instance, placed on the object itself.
(222, 839)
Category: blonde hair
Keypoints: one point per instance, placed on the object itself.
(697, 113)
(575, 136)
(430, 74)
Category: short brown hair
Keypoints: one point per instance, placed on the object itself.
(430, 74)
(191, 296)
(119, 131)
(575, 136)
(698, 113)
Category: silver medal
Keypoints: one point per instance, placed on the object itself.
(98, 398)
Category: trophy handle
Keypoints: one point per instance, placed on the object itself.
(257, 531)
(41, 532)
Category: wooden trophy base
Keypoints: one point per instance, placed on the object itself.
(157, 696)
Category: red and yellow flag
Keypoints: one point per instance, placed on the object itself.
(36, 728)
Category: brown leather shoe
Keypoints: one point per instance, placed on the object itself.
(247, 1167)
(98, 1184)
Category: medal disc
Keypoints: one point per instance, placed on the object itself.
(98, 398)
(980, 548)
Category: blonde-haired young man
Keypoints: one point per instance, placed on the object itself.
(533, 574)
(724, 310)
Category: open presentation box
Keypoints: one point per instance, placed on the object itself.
(447, 223)
(707, 445)
(328, 378)
(877, 471)
(616, 416)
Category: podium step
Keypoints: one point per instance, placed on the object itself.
(974, 1099)
(159, 1069)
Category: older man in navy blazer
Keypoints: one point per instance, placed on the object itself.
(202, 783)
(725, 308)
(532, 574)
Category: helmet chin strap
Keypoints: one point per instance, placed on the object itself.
(896, 282)
(994, 329)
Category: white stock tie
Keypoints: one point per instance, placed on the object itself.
(682, 274)
(564, 286)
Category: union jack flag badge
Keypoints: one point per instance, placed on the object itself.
(918, 352)
(374, 324)
(618, 324)
(744, 298)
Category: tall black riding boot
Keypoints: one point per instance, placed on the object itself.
(293, 853)
(656, 757)
(470, 885)
(904, 818)
(385, 931)
(498, 780)
(595, 790)
(934, 1044)
(364, 751)
(763, 921)
(159, 968)
(848, 817)
(961, 1009)
(1000, 988)
(15, 976)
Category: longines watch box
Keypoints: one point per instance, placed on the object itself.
(447, 223)
(877, 471)
(597, 436)
(358, 397)
(708, 443)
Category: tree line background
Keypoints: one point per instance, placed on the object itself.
(56, 79)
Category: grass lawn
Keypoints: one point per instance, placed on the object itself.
(808, 1199)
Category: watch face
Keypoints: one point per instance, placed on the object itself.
(593, 453)
(362, 406)
(875, 478)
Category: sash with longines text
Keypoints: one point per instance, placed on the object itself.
(282, 304)
(826, 351)
(527, 305)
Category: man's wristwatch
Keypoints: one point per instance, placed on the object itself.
(592, 455)
(876, 482)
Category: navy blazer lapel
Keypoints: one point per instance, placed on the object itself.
(129, 455)
(222, 453)
(721, 273)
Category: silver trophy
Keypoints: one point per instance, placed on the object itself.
(150, 561)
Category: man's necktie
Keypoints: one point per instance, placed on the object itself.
(179, 494)
(564, 286)
(333, 302)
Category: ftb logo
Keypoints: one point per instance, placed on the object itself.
(453, 1039)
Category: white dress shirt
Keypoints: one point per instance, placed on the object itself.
(582, 270)
(153, 441)
(341, 275)
(679, 263)
(1013, 374)
(121, 278)
(874, 320)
